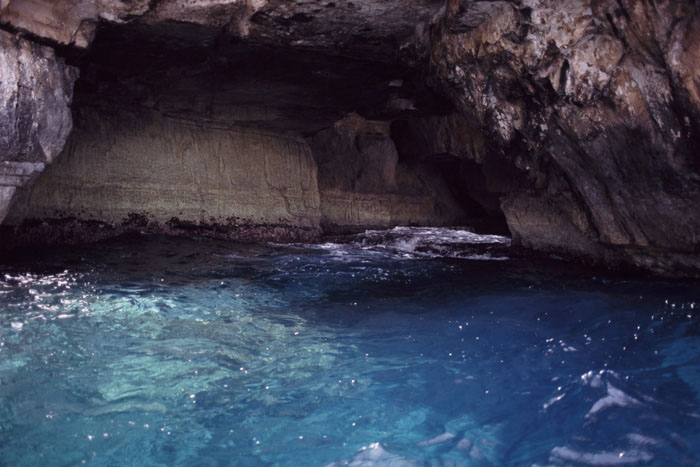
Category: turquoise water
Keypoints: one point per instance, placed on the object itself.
(412, 347)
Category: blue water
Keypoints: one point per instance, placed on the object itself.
(413, 347)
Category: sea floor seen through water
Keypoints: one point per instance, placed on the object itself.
(405, 347)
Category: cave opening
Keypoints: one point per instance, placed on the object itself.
(194, 133)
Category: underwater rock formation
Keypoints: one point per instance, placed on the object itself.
(574, 125)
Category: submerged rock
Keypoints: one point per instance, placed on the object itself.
(439, 439)
(374, 455)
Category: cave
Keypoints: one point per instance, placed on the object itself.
(271, 120)
(182, 132)
(349, 232)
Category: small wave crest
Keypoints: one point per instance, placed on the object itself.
(423, 242)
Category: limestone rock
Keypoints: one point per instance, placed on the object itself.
(68, 22)
(142, 171)
(575, 122)
(363, 183)
(594, 103)
(173, 138)
(368, 29)
(36, 89)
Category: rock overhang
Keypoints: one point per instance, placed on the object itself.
(576, 120)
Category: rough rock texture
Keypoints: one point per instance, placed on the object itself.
(477, 175)
(175, 174)
(171, 137)
(576, 123)
(363, 184)
(597, 101)
(36, 90)
(371, 29)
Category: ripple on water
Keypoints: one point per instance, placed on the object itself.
(388, 348)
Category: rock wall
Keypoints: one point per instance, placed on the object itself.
(171, 137)
(597, 102)
(136, 169)
(478, 176)
(575, 122)
(363, 183)
(141, 170)
(36, 89)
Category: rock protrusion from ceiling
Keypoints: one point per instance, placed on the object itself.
(68, 22)
(370, 30)
(598, 103)
(36, 89)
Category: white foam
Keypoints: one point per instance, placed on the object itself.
(553, 401)
(422, 242)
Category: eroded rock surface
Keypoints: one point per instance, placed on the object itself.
(36, 90)
(371, 29)
(598, 103)
(363, 183)
(574, 123)
(172, 138)
(143, 171)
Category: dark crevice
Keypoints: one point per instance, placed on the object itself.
(476, 186)
(563, 77)
(467, 181)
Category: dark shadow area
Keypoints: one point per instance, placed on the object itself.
(199, 134)
(448, 145)
(225, 81)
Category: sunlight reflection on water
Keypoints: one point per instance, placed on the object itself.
(377, 350)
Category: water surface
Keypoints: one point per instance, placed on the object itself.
(408, 347)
